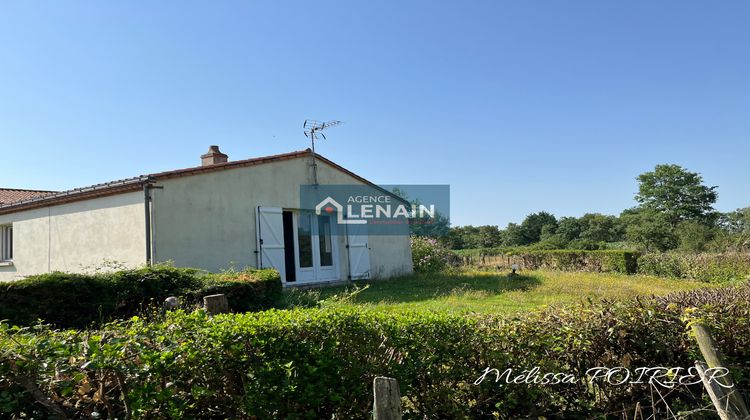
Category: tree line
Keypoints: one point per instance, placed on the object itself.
(674, 210)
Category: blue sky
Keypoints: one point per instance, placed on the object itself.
(520, 106)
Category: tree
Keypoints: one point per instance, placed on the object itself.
(694, 236)
(464, 237)
(649, 229)
(737, 221)
(570, 228)
(600, 228)
(489, 236)
(734, 234)
(532, 225)
(677, 194)
(514, 235)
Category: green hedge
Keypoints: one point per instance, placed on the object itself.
(620, 261)
(716, 268)
(713, 268)
(565, 260)
(317, 363)
(78, 300)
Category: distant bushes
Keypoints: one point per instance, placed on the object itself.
(78, 300)
(707, 267)
(599, 261)
(319, 363)
(713, 268)
(619, 261)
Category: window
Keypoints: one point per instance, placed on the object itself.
(324, 239)
(6, 243)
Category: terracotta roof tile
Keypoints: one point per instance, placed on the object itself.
(9, 195)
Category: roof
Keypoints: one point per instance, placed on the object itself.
(9, 195)
(49, 198)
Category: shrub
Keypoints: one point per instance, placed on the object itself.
(614, 260)
(319, 363)
(706, 267)
(601, 260)
(78, 300)
(428, 255)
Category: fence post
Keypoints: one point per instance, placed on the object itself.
(387, 399)
(216, 304)
(725, 395)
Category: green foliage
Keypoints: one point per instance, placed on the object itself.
(675, 211)
(533, 258)
(737, 221)
(618, 261)
(734, 235)
(542, 231)
(462, 237)
(694, 236)
(535, 224)
(707, 267)
(714, 268)
(320, 363)
(78, 300)
(428, 255)
(601, 228)
(649, 230)
(554, 241)
(677, 194)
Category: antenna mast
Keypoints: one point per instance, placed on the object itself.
(314, 129)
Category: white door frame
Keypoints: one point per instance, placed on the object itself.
(316, 273)
(328, 272)
(303, 274)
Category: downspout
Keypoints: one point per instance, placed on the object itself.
(147, 206)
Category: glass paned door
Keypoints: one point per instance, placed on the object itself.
(317, 251)
(304, 239)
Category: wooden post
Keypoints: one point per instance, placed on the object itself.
(387, 402)
(714, 390)
(725, 395)
(216, 304)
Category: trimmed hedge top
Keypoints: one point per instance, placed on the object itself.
(79, 300)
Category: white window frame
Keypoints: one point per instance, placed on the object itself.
(6, 243)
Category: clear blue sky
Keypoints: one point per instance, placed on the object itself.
(520, 106)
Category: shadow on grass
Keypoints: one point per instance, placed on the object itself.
(416, 288)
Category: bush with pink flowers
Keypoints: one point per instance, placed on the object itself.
(428, 255)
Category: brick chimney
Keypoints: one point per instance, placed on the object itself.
(213, 156)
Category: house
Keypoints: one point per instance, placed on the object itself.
(215, 216)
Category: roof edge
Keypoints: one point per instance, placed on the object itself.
(77, 194)
(135, 183)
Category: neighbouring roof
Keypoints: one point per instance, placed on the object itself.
(9, 195)
(48, 198)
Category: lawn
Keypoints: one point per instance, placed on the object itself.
(488, 292)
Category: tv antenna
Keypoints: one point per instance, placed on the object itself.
(313, 130)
